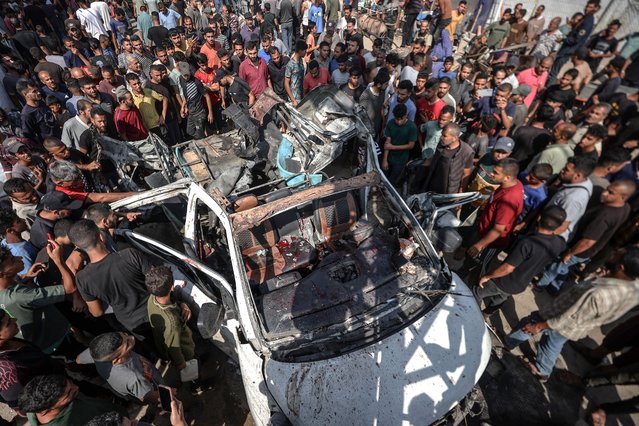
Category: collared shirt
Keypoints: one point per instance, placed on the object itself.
(534, 80)
(146, 104)
(170, 19)
(255, 76)
(72, 130)
(591, 304)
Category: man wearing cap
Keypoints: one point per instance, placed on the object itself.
(535, 78)
(194, 96)
(52, 207)
(481, 179)
(521, 110)
(169, 18)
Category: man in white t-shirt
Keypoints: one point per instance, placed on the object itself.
(103, 11)
(90, 20)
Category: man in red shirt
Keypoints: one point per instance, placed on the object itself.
(535, 77)
(316, 76)
(254, 69)
(498, 217)
(127, 118)
(430, 105)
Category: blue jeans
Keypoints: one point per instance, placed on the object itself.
(548, 348)
(287, 35)
(486, 6)
(555, 274)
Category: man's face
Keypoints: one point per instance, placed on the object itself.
(417, 48)
(448, 66)
(543, 66)
(612, 30)
(565, 81)
(596, 115)
(239, 50)
(502, 96)
(567, 174)
(11, 266)
(462, 8)
(342, 66)
(352, 47)
(252, 54)
(90, 90)
(48, 81)
(591, 8)
(108, 76)
(137, 45)
(350, 27)
(209, 38)
(420, 83)
(55, 108)
(500, 155)
(400, 121)
(402, 95)
(539, 11)
(135, 66)
(266, 43)
(353, 80)
(588, 141)
(381, 59)
(176, 39)
(24, 154)
(100, 122)
(226, 60)
(347, 13)
(32, 94)
(464, 73)
(479, 84)
(444, 119)
(128, 101)
(163, 57)
(612, 194)
(188, 24)
(506, 16)
(423, 27)
(249, 23)
(275, 57)
(337, 52)
(315, 72)
(69, 45)
(20, 225)
(69, 394)
(448, 138)
(443, 89)
(498, 77)
(431, 93)
(60, 152)
(498, 175)
(28, 196)
(325, 52)
(126, 45)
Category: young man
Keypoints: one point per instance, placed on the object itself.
(527, 258)
(401, 136)
(110, 81)
(294, 75)
(254, 69)
(37, 120)
(372, 99)
(195, 97)
(573, 315)
(430, 105)
(29, 167)
(145, 99)
(11, 229)
(532, 139)
(24, 198)
(277, 71)
(340, 75)
(587, 146)
(354, 87)
(316, 76)
(497, 31)
(238, 90)
(595, 228)
(432, 132)
(535, 78)
(402, 96)
(558, 151)
(127, 118)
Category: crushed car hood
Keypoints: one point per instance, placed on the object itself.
(412, 377)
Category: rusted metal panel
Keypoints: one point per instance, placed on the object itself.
(250, 218)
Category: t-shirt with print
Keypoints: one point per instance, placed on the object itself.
(194, 92)
(26, 172)
(295, 71)
(529, 256)
(533, 198)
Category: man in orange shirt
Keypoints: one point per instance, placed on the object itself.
(316, 76)
(210, 48)
(457, 18)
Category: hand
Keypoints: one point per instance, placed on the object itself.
(74, 50)
(35, 270)
(132, 216)
(93, 166)
(501, 104)
(295, 103)
(566, 257)
(79, 305)
(532, 328)
(177, 413)
(211, 118)
(483, 280)
(223, 104)
(39, 173)
(474, 250)
(161, 120)
(385, 165)
(55, 252)
(388, 146)
(631, 144)
(519, 227)
(186, 312)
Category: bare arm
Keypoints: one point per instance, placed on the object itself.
(108, 197)
(95, 308)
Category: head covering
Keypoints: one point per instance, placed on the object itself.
(504, 144)
(13, 146)
(522, 90)
(57, 200)
(184, 68)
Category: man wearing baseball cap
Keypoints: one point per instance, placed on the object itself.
(482, 176)
(52, 207)
(195, 95)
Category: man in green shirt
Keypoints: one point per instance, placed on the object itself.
(497, 31)
(401, 135)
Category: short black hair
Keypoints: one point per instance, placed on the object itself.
(97, 212)
(445, 80)
(400, 111)
(433, 83)
(544, 113)
(42, 393)
(597, 130)
(448, 109)
(131, 77)
(613, 156)
(86, 81)
(509, 166)
(355, 71)
(98, 111)
(313, 65)
(62, 228)
(104, 345)
(7, 218)
(159, 280)
(630, 262)
(405, 85)
(583, 164)
(84, 234)
(542, 171)
(573, 72)
(14, 185)
(301, 45)
(552, 217)
(107, 68)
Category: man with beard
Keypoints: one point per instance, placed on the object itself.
(37, 120)
(159, 82)
(99, 127)
(254, 70)
(97, 98)
(276, 71)
(238, 55)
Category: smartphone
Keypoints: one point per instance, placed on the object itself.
(50, 238)
(485, 92)
(166, 396)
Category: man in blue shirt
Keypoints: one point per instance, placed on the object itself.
(402, 96)
(74, 57)
(499, 106)
(316, 14)
(169, 18)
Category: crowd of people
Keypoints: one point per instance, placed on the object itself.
(510, 114)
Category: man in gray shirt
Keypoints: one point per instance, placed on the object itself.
(74, 127)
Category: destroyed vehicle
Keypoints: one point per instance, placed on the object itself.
(330, 297)
(274, 144)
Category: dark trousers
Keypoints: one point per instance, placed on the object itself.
(395, 173)
(491, 294)
(409, 26)
(553, 75)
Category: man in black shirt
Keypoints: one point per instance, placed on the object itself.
(276, 70)
(587, 146)
(157, 33)
(52, 206)
(595, 228)
(194, 94)
(38, 121)
(532, 139)
(353, 87)
(116, 279)
(238, 90)
(159, 82)
(528, 257)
